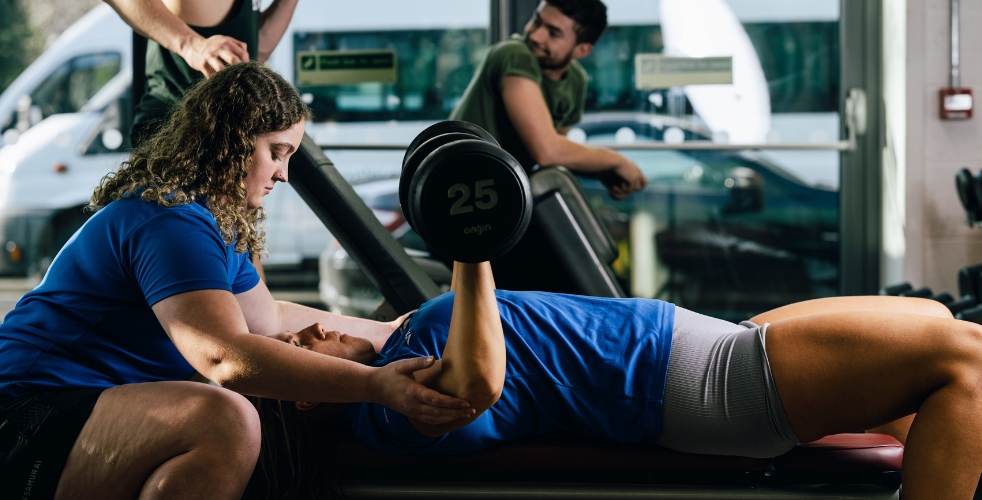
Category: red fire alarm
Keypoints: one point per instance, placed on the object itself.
(956, 103)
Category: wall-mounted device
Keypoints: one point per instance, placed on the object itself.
(956, 101)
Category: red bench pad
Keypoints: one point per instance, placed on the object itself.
(844, 452)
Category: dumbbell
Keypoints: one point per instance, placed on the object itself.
(896, 289)
(467, 198)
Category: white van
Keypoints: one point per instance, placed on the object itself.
(57, 152)
(90, 53)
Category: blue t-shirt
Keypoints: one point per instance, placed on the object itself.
(88, 324)
(585, 365)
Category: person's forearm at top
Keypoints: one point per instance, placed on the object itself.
(275, 20)
(152, 19)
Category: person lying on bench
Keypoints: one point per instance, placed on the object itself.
(646, 371)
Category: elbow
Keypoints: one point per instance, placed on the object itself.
(225, 372)
(481, 394)
(543, 156)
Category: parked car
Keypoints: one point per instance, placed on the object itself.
(722, 232)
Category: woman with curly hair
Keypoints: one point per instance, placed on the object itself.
(95, 363)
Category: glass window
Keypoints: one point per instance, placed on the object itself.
(72, 84)
(434, 68)
(726, 233)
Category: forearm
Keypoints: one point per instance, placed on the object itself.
(275, 20)
(152, 19)
(473, 361)
(577, 157)
(259, 366)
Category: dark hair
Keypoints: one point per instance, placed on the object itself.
(206, 147)
(590, 17)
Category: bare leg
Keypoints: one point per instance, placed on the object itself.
(164, 440)
(872, 303)
(836, 372)
(900, 305)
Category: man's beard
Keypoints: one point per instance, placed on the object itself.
(547, 62)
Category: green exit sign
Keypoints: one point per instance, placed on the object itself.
(331, 67)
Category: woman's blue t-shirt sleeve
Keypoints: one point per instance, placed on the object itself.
(246, 276)
(176, 251)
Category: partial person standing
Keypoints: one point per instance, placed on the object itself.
(190, 40)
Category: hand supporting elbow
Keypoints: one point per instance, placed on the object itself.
(481, 388)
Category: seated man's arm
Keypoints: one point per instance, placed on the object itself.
(529, 114)
(473, 362)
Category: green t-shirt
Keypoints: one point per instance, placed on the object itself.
(482, 105)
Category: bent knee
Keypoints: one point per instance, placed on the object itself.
(928, 307)
(965, 353)
(225, 417)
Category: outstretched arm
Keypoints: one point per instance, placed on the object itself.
(473, 362)
(528, 112)
(210, 331)
(267, 316)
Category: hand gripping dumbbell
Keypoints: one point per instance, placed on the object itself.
(466, 197)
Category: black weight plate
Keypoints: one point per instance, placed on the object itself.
(446, 127)
(411, 164)
(470, 201)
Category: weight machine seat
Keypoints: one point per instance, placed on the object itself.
(565, 223)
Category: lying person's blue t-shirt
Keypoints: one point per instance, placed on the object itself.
(585, 365)
(89, 323)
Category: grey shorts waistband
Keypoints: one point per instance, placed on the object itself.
(720, 396)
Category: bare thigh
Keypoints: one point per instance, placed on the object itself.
(849, 371)
(871, 303)
(136, 429)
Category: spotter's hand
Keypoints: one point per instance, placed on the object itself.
(211, 55)
(394, 385)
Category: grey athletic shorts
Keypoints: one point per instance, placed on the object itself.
(720, 397)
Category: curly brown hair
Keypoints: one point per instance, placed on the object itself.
(205, 149)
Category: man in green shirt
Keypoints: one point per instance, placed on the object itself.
(529, 90)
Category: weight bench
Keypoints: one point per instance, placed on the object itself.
(843, 466)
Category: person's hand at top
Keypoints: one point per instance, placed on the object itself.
(212, 54)
(624, 179)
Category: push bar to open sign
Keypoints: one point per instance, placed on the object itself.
(327, 67)
(655, 71)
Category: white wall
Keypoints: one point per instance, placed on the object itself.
(938, 242)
